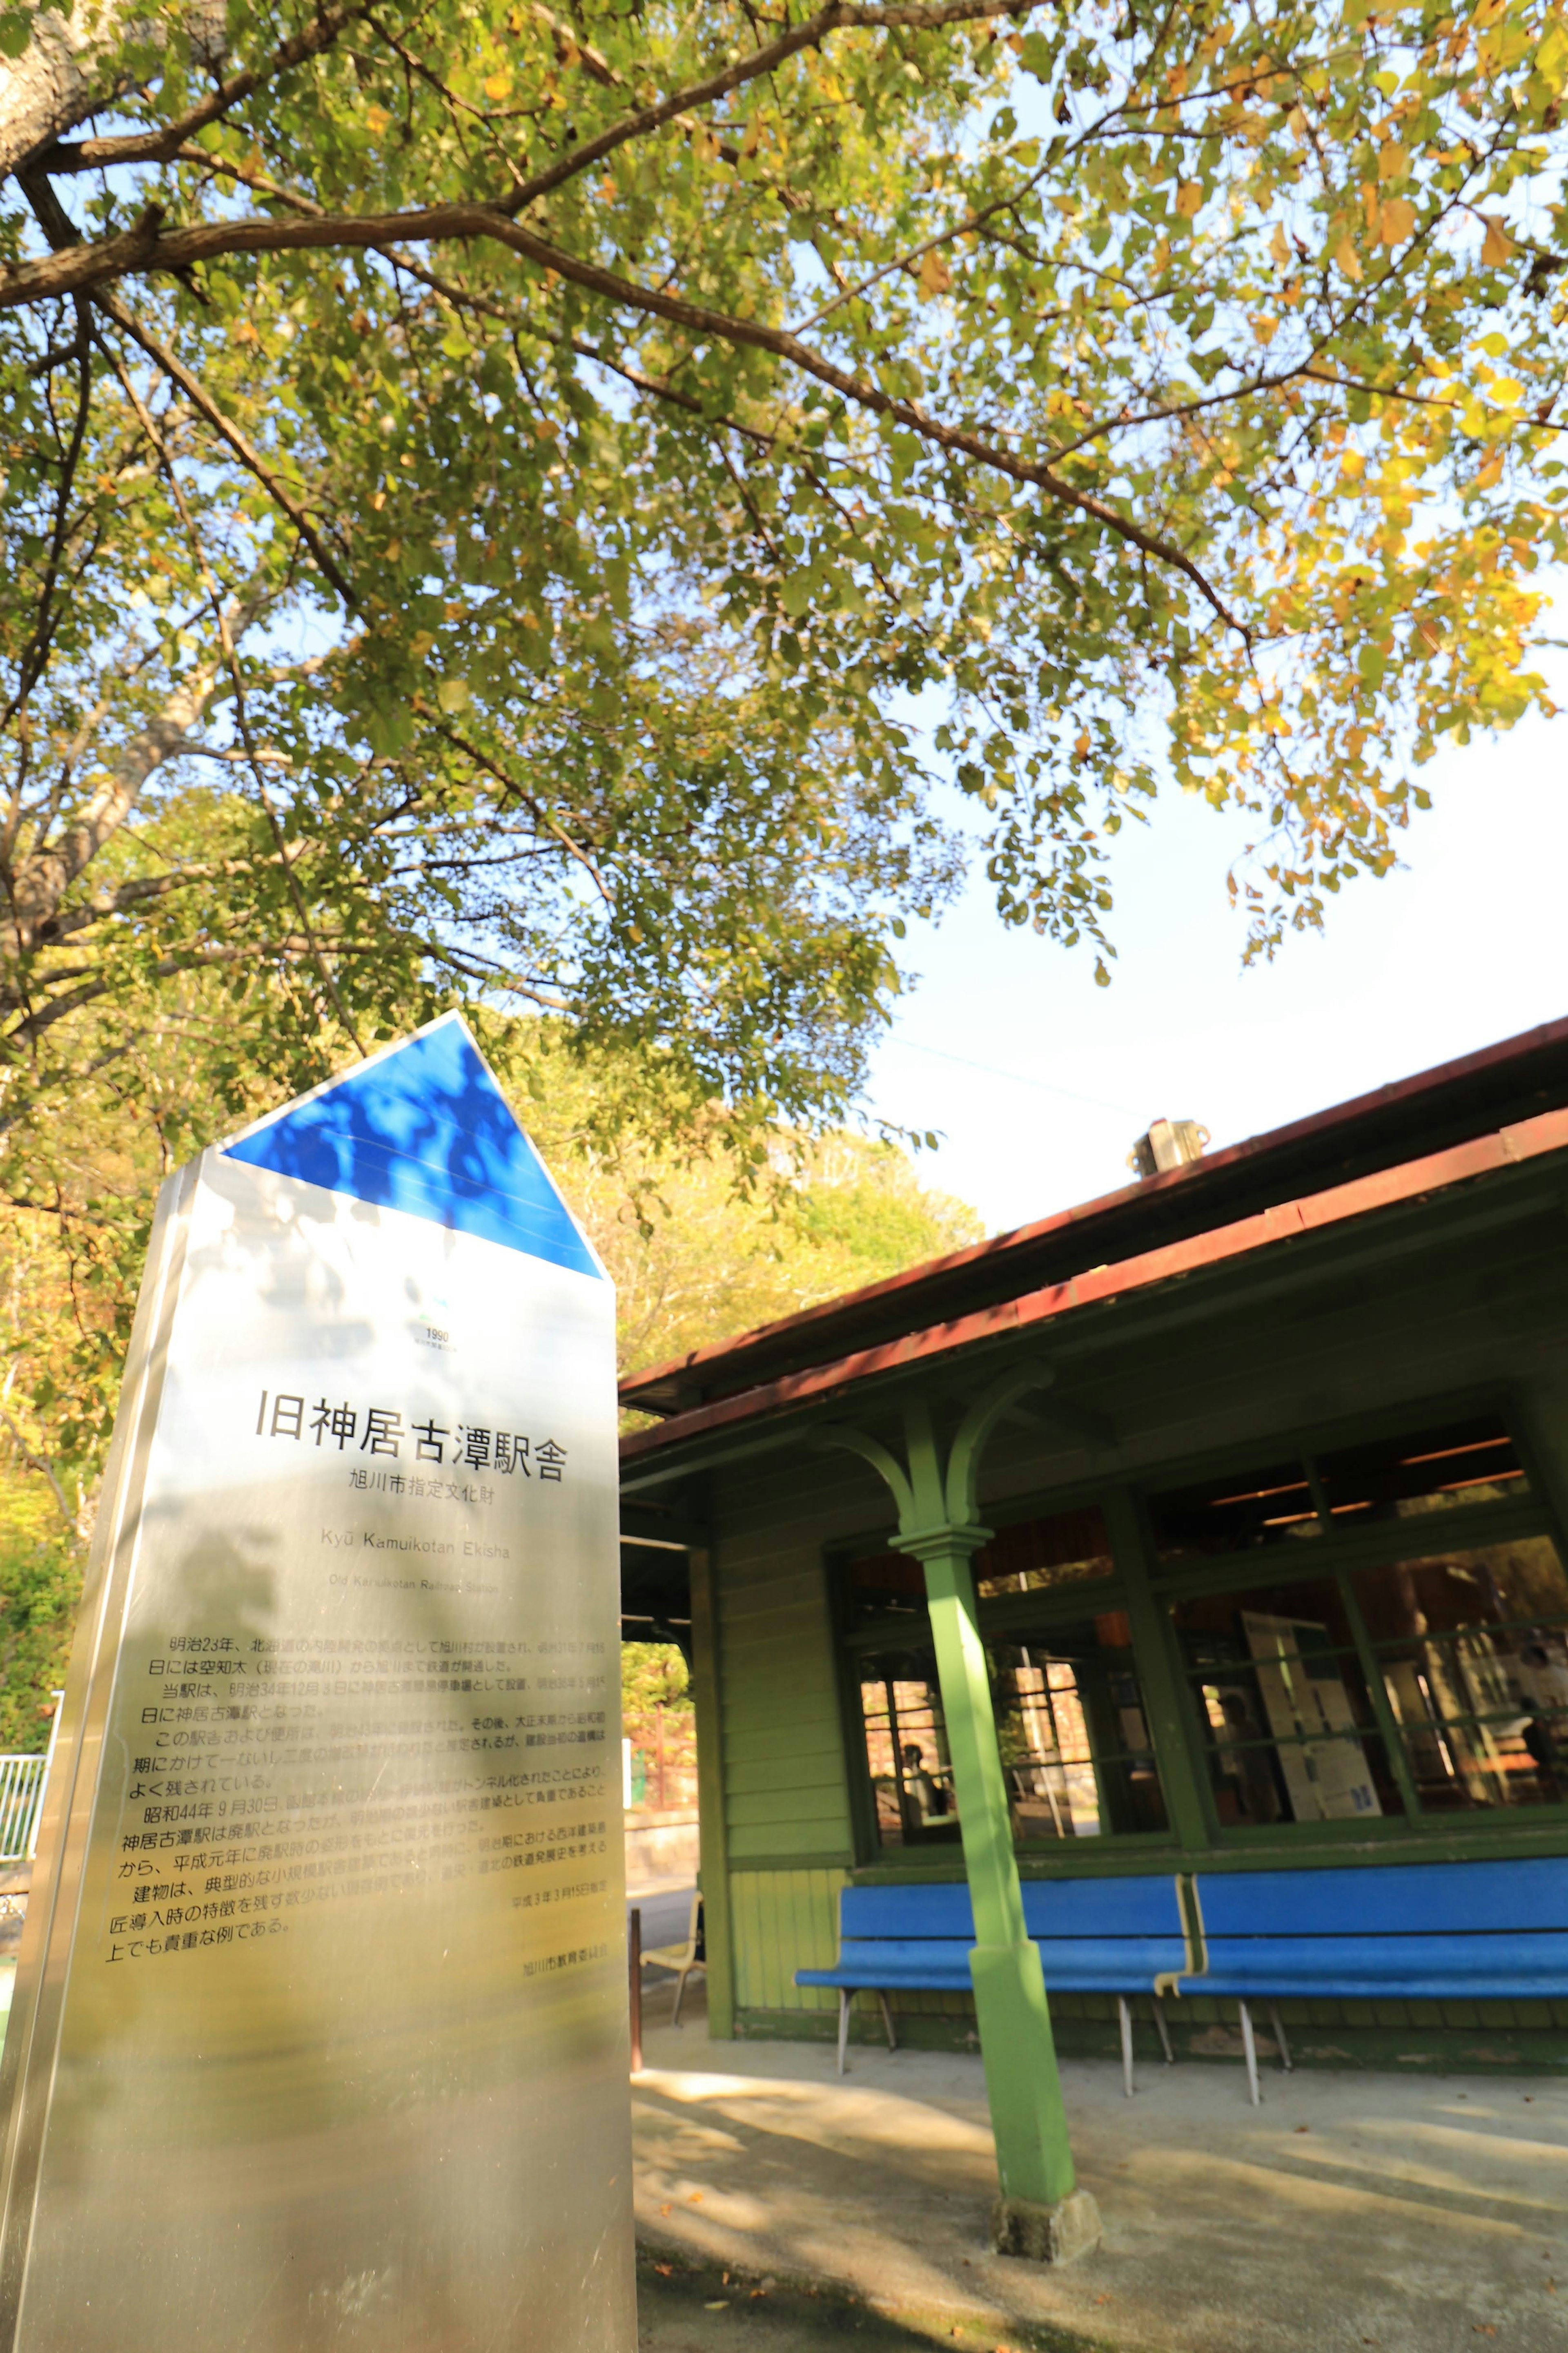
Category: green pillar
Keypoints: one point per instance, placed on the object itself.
(1033, 2158)
(1041, 2211)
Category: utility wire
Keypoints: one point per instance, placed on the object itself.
(1018, 1078)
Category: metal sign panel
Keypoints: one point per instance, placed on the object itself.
(319, 2030)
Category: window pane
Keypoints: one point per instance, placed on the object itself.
(906, 1749)
(1289, 1731)
(1067, 1548)
(1473, 1461)
(888, 1588)
(1244, 1509)
(1474, 1651)
(1075, 1745)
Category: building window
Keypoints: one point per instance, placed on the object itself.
(1402, 1478)
(1472, 1647)
(1237, 1514)
(1289, 1733)
(906, 1749)
(1076, 1751)
(1306, 1496)
(1063, 1548)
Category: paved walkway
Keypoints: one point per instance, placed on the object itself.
(1410, 2216)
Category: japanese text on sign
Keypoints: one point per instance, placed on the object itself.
(381, 1430)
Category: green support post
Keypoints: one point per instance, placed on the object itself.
(1041, 2211)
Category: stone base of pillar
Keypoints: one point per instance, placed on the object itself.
(1062, 2234)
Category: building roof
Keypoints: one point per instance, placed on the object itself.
(1442, 1127)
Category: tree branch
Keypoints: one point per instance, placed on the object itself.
(161, 146)
(249, 457)
(64, 272)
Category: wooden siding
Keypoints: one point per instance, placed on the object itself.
(784, 1921)
(1481, 1312)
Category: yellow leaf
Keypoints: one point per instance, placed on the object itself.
(1393, 163)
(377, 119)
(935, 275)
(1189, 196)
(753, 137)
(420, 646)
(498, 84)
(1081, 748)
(1353, 465)
(1265, 329)
(1498, 248)
(1396, 220)
(1348, 258)
(1277, 246)
(1490, 474)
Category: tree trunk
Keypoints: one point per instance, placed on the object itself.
(66, 74)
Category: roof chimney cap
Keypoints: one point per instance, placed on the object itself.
(1168, 1145)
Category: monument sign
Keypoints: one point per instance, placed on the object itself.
(320, 2032)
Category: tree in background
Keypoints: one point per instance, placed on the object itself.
(697, 1246)
(485, 481)
(486, 486)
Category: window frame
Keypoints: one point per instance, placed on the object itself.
(1032, 1612)
(1336, 1555)
(1146, 1588)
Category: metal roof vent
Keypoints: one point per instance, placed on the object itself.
(1169, 1142)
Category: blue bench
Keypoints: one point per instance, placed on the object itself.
(1123, 1936)
(1425, 1931)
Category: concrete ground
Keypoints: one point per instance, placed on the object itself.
(708, 2309)
(1426, 2215)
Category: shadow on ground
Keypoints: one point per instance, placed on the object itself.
(703, 2308)
(1350, 2213)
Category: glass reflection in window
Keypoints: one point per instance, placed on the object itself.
(1289, 1731)
(906, 1749)
(1235, 1513)
(1473, 1648)
(1475, 1461)
(1075, 1745)
(887, 1588)
(1063, 1548)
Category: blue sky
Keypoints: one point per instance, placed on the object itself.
(1040, 1080)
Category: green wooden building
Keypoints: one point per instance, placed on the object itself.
(1248, 1487)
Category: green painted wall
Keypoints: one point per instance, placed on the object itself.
(1213, 1368)
(783, 1921)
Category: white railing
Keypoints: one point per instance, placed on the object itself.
(21, 1796)
(23, 1780)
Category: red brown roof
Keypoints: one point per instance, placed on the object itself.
(1480, 1156)
(1257, 1187)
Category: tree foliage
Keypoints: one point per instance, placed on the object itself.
(695, 1255)
(485, 482)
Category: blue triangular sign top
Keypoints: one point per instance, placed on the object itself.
(424, 1128)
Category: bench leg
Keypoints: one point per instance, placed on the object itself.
(1126, 2015)
(1279, 2035)
(1164, 2031)
(1251, 2047)
(843, 2024)
(680, 1993)
(887, 2021)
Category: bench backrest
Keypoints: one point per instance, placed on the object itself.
(1092, 1908)
(1387, 1899)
